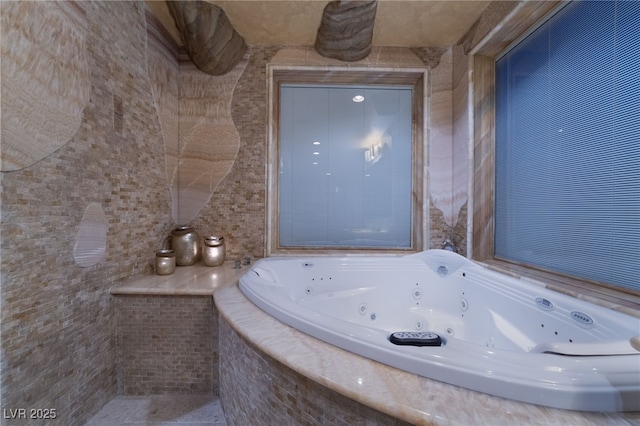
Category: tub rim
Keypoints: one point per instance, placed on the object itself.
(553, 381)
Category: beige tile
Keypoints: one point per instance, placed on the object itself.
(117, 411)
(160, 410)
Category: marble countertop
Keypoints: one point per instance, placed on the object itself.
(409, 397)
(195, 280)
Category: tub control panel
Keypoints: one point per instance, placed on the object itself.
(415, 338)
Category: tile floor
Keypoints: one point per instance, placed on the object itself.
(161, 410)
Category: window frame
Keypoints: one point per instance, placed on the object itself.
(482, 58)
(415, 77)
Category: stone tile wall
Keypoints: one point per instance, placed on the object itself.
(167, 344)
(58, 345)
(237, 207)
(257, 390)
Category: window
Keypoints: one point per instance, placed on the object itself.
(345, 162)
(567, 145)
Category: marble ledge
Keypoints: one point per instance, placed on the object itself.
(414, 399)
(608, 298)
(195, 280)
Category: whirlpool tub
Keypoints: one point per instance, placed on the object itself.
(441, 316)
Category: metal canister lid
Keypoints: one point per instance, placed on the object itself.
(214, 241)
(165, 253)
(181, 230)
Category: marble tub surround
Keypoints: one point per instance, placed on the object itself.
(259, 390)
(405, 396)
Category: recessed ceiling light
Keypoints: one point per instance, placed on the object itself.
(316, 143)
(358, 98)
(316, 153)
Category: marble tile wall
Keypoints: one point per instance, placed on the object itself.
(258, 390)
(58, 346)
(167, 344)
(483, 168)
(448, 151)
(460, 149)
(440, 143)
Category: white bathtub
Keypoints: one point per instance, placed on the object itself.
(500, 335)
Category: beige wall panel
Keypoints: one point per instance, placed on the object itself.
(162, 68)
(45, 79)
(207, 136)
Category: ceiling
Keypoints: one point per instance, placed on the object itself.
(417, 23)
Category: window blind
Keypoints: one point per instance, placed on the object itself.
(568, 145)
(345, 175)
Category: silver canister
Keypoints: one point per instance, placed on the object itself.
(213, 251)
(165, 262)
(185, 242)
